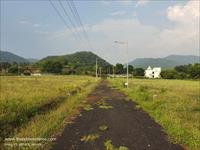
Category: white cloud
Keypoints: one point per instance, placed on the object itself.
(184, 35)
(118, 13)
(125, 2)
(142, 2)
(186, 13)
(150, 41)
(23, 22)
(104, 2)
(138, 35)
(35, 25)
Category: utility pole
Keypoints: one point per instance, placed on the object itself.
(100, 71)
(113, 72)
(18, 68)
(96, 69)
(127, 63)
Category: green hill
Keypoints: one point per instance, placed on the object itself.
(10, 58)
(167, 62)
(79, 62)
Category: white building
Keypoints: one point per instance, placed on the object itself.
(152, 73)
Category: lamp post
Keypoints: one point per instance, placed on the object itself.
(126, 46)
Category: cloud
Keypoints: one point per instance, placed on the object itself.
(104, 2)
(125, 2)
(138, 35)
(35, 25)
(186, 13)
(184, 35)
(150, 41)
(24, 22)
(118, 13)
(142, 3)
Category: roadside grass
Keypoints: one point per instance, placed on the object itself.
(175, 104)
(48, 123)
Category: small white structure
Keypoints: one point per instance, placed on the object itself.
(152, 73)
(36, 74)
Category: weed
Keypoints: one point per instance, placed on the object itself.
(109, 146)
(103, 127)
(104, 105)
(90, 138)
(88, 107)
(172, 103)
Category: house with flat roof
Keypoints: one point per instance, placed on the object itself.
(152, 72)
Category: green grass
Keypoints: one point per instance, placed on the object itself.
(31, 94)
(175, 104)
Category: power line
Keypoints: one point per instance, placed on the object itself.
(77, 17)
(64, 21)
(74, 16)
(70, 20)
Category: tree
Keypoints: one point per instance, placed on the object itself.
(194, 71)
(130, 69)
(138, 72)
(169, 74)
(182, 68)
(13, 69)
(119, 69)
(4, 66)
(52, 67)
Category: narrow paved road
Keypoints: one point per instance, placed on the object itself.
(126, 125)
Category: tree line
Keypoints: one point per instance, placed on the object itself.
(191, 71)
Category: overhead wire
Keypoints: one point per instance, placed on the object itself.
(64, 21)
(78, 19)
(79, 26)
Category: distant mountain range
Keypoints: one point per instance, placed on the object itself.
(86, 59)
(9, 57)
(81, 59)
(167, 62)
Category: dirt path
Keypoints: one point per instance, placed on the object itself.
(125, 125)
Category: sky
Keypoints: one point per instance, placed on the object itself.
(152, 28)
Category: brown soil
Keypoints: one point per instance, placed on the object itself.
(127, 125)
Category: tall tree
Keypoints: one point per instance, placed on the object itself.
(119, 68)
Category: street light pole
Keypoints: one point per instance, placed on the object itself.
(127, 63)
(126, 46)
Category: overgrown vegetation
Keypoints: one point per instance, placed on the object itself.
(191, 71)
(175, 104)
(36, 107)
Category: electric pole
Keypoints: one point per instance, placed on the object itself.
(113, 72)
(96, 69)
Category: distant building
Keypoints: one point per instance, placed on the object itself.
(152, 72)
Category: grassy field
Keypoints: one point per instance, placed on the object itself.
(37, 107)
(175, 104)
